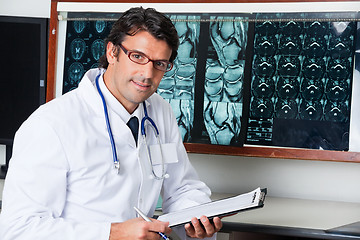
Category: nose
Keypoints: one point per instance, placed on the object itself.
(148, 70)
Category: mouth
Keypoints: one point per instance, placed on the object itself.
(141, 85)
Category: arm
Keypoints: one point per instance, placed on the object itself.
(184, 189)
(35, 190)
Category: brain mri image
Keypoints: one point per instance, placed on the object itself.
(100, 26)
(76, 71)
(77, 48)
(97, 49)
(78, 26)
(84, 47)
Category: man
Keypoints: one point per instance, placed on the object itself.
(62, 184)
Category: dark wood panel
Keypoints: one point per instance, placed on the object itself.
(204, 1)
(274, 152)
(53, 27)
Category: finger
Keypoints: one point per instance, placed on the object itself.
(168, 230)
(217, 223)
(147, 231)
(199, 230)
(208, 226)
(159, 226)
(190, 231)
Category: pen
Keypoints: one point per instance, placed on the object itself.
(163, 236)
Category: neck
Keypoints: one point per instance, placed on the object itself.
(129, 106)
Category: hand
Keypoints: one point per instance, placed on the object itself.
(204, 228)
(138, 229)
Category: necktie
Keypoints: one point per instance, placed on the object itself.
(133, 124)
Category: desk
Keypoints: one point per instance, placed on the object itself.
(295, 218)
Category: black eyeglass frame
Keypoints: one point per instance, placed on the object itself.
(166, 63)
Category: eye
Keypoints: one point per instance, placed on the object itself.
(138, 57)
(161, 64)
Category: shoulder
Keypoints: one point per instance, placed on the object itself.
(159, 105)
(58, 114)
(157, 99)
(74, 104)
(63, 106)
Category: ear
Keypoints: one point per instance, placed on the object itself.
(111, 53)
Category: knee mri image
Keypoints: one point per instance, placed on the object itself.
(224, 79)
(261, 79)
(177, 85)
(220, 91)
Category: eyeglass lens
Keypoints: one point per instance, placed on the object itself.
(143, 59)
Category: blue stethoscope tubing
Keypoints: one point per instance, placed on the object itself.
(143, 133)
(113, 148)
(150, 120)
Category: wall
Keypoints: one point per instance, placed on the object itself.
(34, 8)
(285, 178)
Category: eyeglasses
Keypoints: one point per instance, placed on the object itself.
(141, 58)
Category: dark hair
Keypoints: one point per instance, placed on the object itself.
(150, 20)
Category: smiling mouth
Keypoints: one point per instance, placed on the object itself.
(141, 84)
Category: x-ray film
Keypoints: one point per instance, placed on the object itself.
(212, 55)
(301, 83)
(279, 79)
(84, 47)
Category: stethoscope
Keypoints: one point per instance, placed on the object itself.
(143, 133)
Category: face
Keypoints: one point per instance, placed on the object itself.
(132, 83)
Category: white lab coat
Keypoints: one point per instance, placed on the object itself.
(61, 183)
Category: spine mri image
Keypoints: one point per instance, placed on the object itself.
(301, 84)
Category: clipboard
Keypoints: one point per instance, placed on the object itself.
(220, 208)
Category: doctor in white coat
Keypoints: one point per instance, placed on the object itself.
(68, 181)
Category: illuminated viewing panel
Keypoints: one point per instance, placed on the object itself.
(260, 79)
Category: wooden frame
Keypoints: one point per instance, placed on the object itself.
(253, 151)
